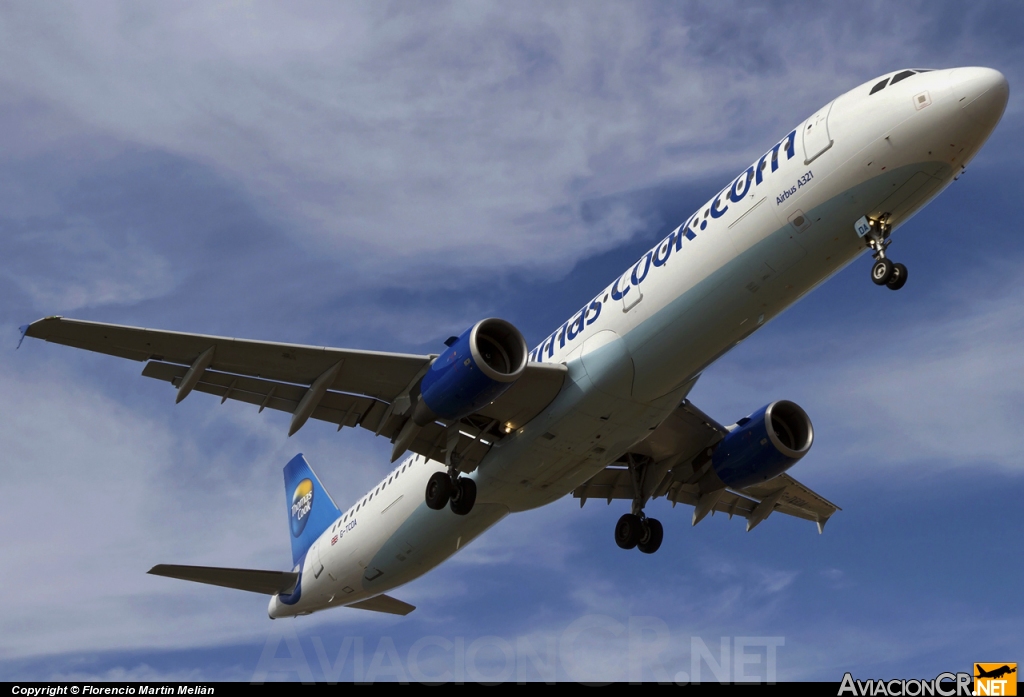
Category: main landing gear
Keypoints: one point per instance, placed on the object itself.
(639, 531)
(883, 271)
(447, 488)
(635, 529)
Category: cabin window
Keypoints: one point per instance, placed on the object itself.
(901, 76)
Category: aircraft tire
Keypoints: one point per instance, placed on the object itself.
(899, 277)
(464, 496)
(654, 534)
(628, 531)
(881, 271)
(439, 490)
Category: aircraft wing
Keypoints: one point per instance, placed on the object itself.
(347, 387)
(674, 455)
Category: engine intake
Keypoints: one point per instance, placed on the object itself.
(763, 445)
(475, 369)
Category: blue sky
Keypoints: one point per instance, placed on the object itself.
(382, 175)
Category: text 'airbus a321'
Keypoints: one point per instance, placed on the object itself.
(598, 409)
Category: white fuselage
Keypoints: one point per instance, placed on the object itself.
(783, 226)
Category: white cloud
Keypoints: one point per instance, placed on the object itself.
(84, 267)
(454, 134)
(410, 139)
(95, 492)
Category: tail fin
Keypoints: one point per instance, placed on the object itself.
(310, 508)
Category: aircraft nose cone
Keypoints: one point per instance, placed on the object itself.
(982, 94)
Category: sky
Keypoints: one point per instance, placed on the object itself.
(382, 175)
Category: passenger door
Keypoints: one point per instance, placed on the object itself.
(816, 136)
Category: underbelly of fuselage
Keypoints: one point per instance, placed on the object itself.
(597, 418)
(591, 427)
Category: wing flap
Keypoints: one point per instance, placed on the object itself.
(335, 407)
(384, 603)
(614, 483)
(252, 580)
(797, 500)
(610, 483)
(730, 503)
(364, 389)
(379, 375)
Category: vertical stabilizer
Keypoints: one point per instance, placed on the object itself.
(310, 508)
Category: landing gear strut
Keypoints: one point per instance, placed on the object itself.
(636, 529)
(883, 271)
(447, 488)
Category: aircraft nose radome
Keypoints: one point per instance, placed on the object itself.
(982, 94)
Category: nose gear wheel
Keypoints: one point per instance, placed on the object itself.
(883, 272)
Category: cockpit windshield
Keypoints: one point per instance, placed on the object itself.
(903, 75)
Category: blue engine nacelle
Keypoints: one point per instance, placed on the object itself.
(763, 445)
(477, 367)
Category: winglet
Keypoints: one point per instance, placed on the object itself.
(24, 330)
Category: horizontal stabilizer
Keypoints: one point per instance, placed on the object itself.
(252, 580)
(385, 603)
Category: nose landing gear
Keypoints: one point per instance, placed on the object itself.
(886, 273)
(876, 236)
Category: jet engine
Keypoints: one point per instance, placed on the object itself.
(763, 445)
(475, 369)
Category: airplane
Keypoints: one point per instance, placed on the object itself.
(995, 673)
(599, 408)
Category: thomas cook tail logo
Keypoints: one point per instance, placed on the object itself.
(302, 503)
